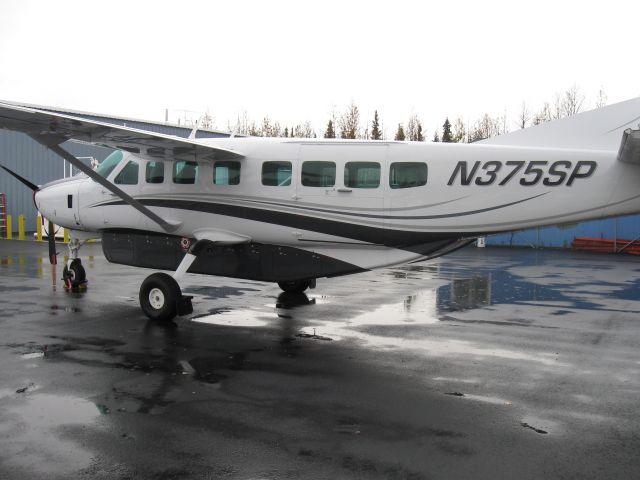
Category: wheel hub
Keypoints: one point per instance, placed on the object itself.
(156, 298)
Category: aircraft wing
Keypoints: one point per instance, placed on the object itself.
(52, 129)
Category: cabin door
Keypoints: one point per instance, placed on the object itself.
(343, 181)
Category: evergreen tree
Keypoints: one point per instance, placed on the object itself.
(436, 138)
(400, 133)
(330, 133)
(286, 131)
(447, 137)
(420, 136)
(376, 134)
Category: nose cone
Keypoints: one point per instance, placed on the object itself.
(58, 202)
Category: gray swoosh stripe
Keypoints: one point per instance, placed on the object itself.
(419, 217)
(262, 200)
(399, 209)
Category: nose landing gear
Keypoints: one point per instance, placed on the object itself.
(73, 274)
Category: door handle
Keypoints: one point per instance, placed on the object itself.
(344, 190)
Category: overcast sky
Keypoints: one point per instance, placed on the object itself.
(298, 61)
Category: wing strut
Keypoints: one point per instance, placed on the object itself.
(166, 226)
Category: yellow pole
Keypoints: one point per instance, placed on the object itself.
(20, 227)
(39, 228)
(9, 227)
(66, 236)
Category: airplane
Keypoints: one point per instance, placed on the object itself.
(291, 210)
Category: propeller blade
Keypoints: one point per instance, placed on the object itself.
(32, 186)
(53, 256)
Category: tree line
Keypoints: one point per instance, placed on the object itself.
(348, 124)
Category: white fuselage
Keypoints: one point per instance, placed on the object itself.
(470, 190)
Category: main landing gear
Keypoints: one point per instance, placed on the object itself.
(160, 296)
(297, 286)
(162, 300)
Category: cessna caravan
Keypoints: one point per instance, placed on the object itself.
(293, 210)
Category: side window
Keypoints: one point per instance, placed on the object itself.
(318, 174)
(362, 175)
(276, 174)
(154, 172)
(128, 175)
(109, 163)
(407, 174)
(185, 172)
(226, 173)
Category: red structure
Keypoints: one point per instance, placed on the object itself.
(606, 245)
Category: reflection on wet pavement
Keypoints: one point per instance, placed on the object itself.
(31, 433)
(431, 370)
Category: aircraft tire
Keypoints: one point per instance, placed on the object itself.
(159, 297)
(74, 275)
(295, 286)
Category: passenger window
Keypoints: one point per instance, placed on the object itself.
(128, 175)
(154, 172)
(318, 174)
(276, 174)
(362, 175)
(226, 173)
(407, 174)
(185, 172)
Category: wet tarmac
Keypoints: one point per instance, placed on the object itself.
(483, 364)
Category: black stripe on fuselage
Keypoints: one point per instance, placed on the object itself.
(405, 240)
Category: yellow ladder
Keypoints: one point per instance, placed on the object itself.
(3, 215)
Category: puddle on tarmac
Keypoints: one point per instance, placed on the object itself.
(486, 399)
(232, 318)
(31, 266)
(28, 356)
(217, 293)
(65, 308)
(419, 308)
(32, 437)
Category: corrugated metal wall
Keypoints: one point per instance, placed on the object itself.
(34, 162)
(627, 228)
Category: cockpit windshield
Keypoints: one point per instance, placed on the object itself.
(109, 163)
